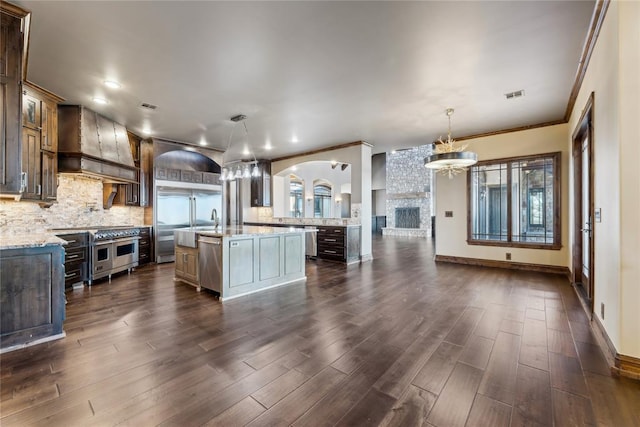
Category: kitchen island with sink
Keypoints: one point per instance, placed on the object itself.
(236, 261)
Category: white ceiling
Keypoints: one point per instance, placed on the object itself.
(323, 73)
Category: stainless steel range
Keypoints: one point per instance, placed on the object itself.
(113, 250)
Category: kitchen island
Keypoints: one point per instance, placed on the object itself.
(31, 289)
(237, 261)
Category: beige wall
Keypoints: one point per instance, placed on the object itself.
(79, 204)
(613, 77)
(451, 195)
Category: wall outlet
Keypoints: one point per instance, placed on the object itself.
(448, 214)
(508, 256)
(602, 310)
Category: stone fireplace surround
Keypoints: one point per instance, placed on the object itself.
(408, 186)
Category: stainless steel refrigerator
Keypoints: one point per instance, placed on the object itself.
(179, 208)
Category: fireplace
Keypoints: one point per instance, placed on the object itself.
(407, 217)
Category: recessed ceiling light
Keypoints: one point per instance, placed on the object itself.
(268, 146)
(112, 84)
(99, 100)
(146, 131)
(294, 139)
(203, 142)
(294, 168)
(246, 151)
(393, 151)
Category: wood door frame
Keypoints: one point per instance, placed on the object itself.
(584, 127)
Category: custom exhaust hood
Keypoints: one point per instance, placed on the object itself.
(93, 145)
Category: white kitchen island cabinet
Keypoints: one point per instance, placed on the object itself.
(248, 259)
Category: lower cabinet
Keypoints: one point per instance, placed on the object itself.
(241, 262)
(32, 295)
(338, 243)
(187, 264)
(76, 258)
(144, 245)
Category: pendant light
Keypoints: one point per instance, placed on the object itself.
(241, 169)
(448, 159)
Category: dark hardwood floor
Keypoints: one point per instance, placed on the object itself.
(397, 341)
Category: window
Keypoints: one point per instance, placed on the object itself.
(296, 201)
(515, 202)
(321, 201)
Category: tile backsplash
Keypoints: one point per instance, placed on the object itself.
(79, 204)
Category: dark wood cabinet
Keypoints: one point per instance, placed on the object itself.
(144, 245)
(11, 56)
(210, 178)
(339, 243)
(32, 294)
(191, 176)
(49, 127)
(168, 174)
(39, 144)
(49, 172)
(261, 186)
(31, 164)
(76, 259)
(132, 192)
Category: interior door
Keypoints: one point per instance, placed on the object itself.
(586, 220)
(584, 211)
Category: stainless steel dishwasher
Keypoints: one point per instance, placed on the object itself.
(210, 262)
(311, 241)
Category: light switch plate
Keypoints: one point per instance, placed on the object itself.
(597, 215)
(448, 214)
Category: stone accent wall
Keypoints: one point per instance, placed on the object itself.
(408, 186)
(79, 204)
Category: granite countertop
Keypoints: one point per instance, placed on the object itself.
(93, 228)
(304, 222)
(242, 231)
(30, 240)
(49, 237)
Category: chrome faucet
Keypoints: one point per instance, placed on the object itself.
(214, 217)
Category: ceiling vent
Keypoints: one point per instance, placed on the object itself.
(148, 106)
(516, 94)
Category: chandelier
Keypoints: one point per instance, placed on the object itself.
(238, 169)
(448, 159)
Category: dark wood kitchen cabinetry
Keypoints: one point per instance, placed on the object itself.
(144, 245)
(261, 186)
(338, 243)
(12, 41)
(32, 295)
(137, 194)
(39, 143)
(76, 259)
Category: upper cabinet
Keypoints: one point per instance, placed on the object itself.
(39, 143)
(261, 186)
(12, 40)
(29, 119)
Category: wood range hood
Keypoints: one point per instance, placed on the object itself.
(93, 145)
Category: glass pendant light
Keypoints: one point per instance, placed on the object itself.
(255, 172)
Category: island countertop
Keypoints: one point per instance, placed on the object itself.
(243, 231)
